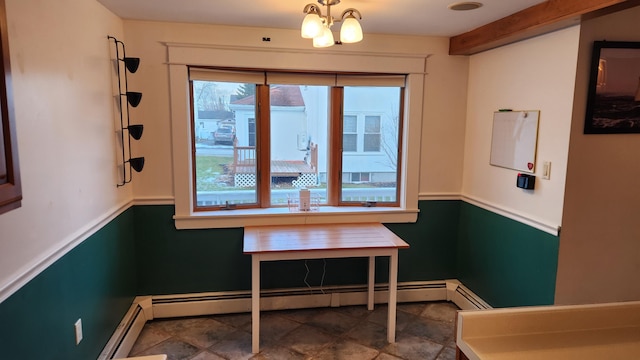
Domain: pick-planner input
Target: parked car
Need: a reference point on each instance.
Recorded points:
(224, 134)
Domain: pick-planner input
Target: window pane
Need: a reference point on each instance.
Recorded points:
(371, 142)
(376, 163)
(372, 124)
(350, 142)
(225, 168)
(350, 124)
(372, 133)
(251, 125)
(350, 133)
(299, 123)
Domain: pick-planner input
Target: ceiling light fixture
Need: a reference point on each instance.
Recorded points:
(464, 6)
(318, 27)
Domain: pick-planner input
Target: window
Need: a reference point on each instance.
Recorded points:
(372, 133)
(294, 131)
(389, 64)
(378, 127)
(350, 133)
(360, 177)
(251, 131)
(224, 168)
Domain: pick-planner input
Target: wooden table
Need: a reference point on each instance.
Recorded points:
(292, 242)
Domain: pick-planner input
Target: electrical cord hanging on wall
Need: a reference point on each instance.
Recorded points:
(306, 275)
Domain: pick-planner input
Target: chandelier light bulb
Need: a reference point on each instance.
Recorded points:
(324, 40)
(311, 26)
(350, 31)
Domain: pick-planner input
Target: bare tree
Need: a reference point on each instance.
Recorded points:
(389, 141)
(246, 90)
(208, 96)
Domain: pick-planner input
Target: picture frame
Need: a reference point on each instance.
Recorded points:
(10, 185)
(613, 102)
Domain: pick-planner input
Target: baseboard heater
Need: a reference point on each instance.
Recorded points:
(147, 308)
(125, 334)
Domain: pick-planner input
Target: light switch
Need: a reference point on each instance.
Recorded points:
(546, 170)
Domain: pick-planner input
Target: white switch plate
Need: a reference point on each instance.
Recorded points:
(78, 327)
(546, 170)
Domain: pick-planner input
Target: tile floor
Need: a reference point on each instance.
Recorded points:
(425, 331)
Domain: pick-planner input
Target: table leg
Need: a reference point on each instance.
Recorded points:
(372, 282)
(255, 304)
(393, 296)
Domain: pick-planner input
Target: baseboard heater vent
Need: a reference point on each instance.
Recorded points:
(265, 294)
(198, 304)
(125, 334)
(467, 300)
(166, 306)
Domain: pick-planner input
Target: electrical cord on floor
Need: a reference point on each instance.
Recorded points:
(306, 275)
(324, 272)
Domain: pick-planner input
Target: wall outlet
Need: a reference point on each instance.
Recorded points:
(78, 328)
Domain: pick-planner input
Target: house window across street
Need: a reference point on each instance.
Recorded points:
(259, 137)
(372, 133)
(350, 133)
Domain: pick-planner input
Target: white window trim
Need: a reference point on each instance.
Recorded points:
(182, 55)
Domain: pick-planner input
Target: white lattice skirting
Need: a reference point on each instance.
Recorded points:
(305, 180)
(249, 180)
(244, 180)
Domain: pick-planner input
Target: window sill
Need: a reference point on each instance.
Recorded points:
(282, 216)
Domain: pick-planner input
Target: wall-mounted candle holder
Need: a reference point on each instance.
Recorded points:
(127, 99)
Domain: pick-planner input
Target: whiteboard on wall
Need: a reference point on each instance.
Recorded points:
(514, 138)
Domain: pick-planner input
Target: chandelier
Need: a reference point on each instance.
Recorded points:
(318, 27)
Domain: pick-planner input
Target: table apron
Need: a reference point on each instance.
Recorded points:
(321, 254)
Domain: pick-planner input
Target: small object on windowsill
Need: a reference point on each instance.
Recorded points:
(369, 204)
(294, 204)
(228, 206)
(305, 200)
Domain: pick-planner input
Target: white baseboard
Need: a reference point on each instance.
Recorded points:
(168, 306)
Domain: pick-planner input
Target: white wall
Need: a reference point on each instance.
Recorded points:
(443, 127)
(536, 74)
(286, 124)
(64, 107)
(599, 257)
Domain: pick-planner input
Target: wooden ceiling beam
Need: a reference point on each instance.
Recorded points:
(545, 17)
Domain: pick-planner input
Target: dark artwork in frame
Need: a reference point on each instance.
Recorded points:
(613, 103)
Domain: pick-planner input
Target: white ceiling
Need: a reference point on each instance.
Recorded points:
(403, 17)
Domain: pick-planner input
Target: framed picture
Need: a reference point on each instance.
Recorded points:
(613, 103)
(10, 188)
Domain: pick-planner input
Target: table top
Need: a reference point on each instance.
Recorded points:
(309, 237)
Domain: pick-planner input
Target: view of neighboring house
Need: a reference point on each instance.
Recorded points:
(299, 119)
(207, 122)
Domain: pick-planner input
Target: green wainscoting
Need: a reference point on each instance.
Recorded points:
(505, 262)
(432, 255)
(191, 261)
(140, 252)
(95, 281)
